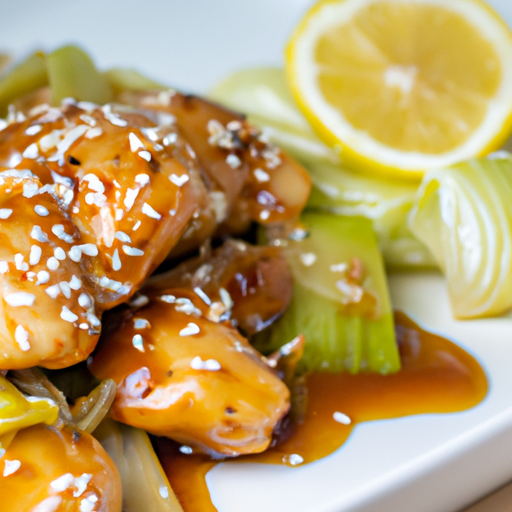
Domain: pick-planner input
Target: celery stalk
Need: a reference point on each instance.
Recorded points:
(341, 301)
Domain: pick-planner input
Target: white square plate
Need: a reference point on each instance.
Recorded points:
(427, 463)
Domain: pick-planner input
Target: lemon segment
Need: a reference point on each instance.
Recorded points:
(404, 86)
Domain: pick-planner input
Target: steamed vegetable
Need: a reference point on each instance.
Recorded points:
(464, 215)
(145, 486)
(264, 96)
(340, 302)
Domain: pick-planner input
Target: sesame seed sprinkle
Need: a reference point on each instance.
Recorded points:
(261, 176)
(4, 267)
(65, 289)
(142, 179)
(11, 466)
(132, 251)
(42, 277)
(33, 130)
(138, 342)
(20, 263)
(53, 291)
(75, 283)
(63, 482)
(123, 237)
(135, 142)
(20, 299)
(67, 315)
(129, 198)
(150, 211)
(38, 234)
(84, 301)
(146, 155)
(179, 181)
(210, 365)
(116, 261)
(52, 263)
(187, 450)
(41, 210)
(31, 152)
(141, 323)
(190, 330)
(59, 253)
(341, 418)
(35, 255)
(5, 213)
(21, 337)
(233, 161)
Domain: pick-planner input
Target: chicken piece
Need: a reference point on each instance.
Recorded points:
(250, 178)
(251, 285)
(64, 470)
(91, 202)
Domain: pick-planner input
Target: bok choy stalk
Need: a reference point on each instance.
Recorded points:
(464, 215)
(145, 486)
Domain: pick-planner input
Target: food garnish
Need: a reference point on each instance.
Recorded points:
(402, 87)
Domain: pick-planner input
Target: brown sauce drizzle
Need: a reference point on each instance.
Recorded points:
(437, 376)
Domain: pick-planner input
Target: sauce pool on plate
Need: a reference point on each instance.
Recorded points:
(437, 376)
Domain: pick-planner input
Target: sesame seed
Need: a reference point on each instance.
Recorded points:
(67, 315)
(187, 450)
(190, 330)
(142, 179)
(139, 300)
(65, 289)
(5, 213)
(19, 263)
(169, 139)
(63, 482)
(129, 198)
(21, 337)
(164, 491)
(150, 211)
(146, 155)
(202, 295)
(226, 299)
(116, 261)
(83, 326)
(41, 210)
(53, 291)
(135, 142)
(50, 140)
(141, 323)
(4, 267)
(37, 234)
(52, 263)
(70, 137)
(116, 120)
(210, 365)
(88, 249)
(94, 183)
(42, 277)
(20, 299)
(59, 253)
(93, 320)
(35, 255)
(92, 133)
(132, 251)
(308, 258)
(179, 181)
(11, 466)
(75, 283)
(264, 214)
(75, 254)
(138, 343)
(341, 418)
(137, 225)
(31, 152)
(294, 459)
(233, 161)
(30, 189)
(170, 299)
(261, 176)
(123, 237)
(81, 483)
(84, 301)
(33, 130)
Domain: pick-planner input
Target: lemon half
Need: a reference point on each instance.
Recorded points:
(404, 86)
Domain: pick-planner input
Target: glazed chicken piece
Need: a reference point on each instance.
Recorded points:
(183, 371)
(249, 178)
(91, 203)
(46, 469)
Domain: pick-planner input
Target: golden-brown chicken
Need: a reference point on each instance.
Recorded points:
(46, 469)
(183, 371)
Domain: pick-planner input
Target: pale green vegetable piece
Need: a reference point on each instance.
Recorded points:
(25, 77)
(341, 301)
(125, 79)
(464, 215)
(263, 95)
(145, 485)
(72, 74)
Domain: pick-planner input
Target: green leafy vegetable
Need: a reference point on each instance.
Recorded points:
(340, 301)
